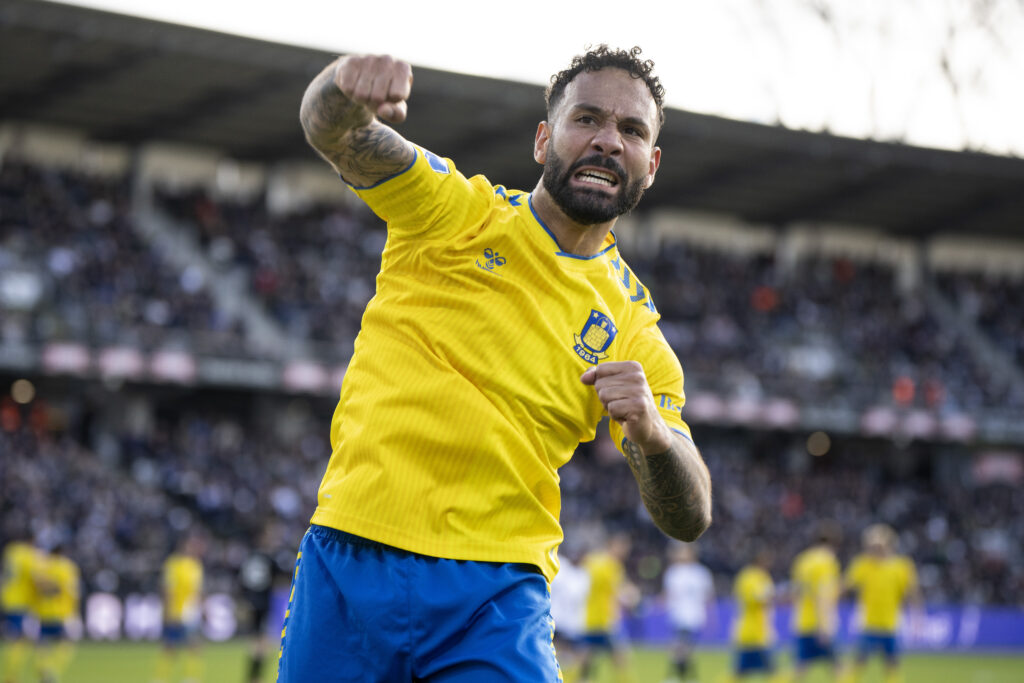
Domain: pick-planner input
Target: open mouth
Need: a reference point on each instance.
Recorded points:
(597, 177)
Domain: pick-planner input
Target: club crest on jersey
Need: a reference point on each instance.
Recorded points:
(596, 336)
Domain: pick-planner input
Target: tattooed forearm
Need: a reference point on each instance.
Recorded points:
(675, 487)
(327, 114)
(348, 135)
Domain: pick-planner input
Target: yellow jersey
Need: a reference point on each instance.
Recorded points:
(881, 584)
(58, 589)
(17, 590)
(601, 611)
(183, 586)
(816, 577)
(754, 592)
(463, 395)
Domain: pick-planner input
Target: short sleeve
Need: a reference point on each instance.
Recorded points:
(430, 198)
(664, 376)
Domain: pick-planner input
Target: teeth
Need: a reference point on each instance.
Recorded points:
(597, 178)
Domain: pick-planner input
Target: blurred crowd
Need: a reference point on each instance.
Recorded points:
(312, 270)
(76, 269)
(963, 534)
(825, 331)
(828, 331)
(994, 303)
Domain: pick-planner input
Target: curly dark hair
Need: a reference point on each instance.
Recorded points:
(602, 57)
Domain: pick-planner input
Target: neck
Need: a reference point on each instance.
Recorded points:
(573, 238)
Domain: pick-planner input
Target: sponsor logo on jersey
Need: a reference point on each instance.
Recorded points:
(665, 401)
(492, 260)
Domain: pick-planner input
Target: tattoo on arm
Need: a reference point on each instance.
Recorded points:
(675, 488)
(349, 136)
(374, 152)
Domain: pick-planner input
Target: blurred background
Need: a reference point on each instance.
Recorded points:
(181, 281)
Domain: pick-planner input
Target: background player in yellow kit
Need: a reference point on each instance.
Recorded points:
(816, 585)
(609, 588)
(753, 634)
(17, 594)
(505, 325)
(883, 582)
(57, 601)
(183, 590)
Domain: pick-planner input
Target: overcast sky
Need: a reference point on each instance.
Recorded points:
(936, 73)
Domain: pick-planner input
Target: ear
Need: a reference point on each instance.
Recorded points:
(540, 142)
(653, 168)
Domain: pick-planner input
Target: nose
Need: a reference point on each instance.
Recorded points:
(607, 140)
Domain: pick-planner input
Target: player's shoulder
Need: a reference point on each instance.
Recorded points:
(746, 574)
(641, 301)
(802, 557)
(904, 562)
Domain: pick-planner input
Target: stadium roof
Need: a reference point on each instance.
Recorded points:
(133, 80)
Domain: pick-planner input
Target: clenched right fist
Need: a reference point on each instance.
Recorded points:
(381, 83)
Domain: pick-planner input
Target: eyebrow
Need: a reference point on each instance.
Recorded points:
(631, 120)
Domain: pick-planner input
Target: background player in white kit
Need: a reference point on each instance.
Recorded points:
(569, 590)
(689, 598)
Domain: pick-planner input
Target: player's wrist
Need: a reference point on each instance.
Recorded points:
(658, 442)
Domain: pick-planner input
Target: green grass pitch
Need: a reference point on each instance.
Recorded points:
(225, 663)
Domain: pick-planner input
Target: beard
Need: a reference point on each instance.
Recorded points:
(584, 205)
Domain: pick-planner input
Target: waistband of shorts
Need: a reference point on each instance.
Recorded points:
(331, 534)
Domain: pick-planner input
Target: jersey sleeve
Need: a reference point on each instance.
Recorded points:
(664, 376)
(430, 199)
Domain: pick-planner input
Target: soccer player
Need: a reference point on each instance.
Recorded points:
(17, 595)
(753, 631)
(504, 327)
(689, 592)
(259, 576)
(57, 600)
(183, 590)
(569, 590)
(883, 582)
(609, 587)
(815, 590)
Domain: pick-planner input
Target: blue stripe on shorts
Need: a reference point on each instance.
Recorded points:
(363, 611)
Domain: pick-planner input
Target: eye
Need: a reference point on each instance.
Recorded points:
(633, 131)
(585, 118)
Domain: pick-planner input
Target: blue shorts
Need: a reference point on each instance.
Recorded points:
(177, 634)
(50, 630)
(809, 648)
(364, 611)
(13, 625)
(598, 640)
(885, 643)
(753, 661)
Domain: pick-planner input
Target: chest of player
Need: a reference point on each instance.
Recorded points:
(516, 317)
